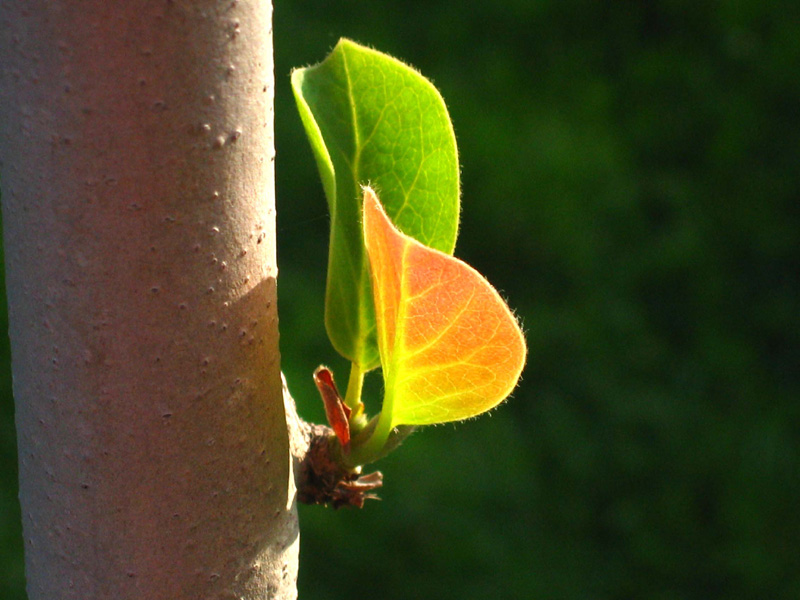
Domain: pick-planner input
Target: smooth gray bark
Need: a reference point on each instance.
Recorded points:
(136, 157)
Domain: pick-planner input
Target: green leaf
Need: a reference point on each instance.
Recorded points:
(373, 120)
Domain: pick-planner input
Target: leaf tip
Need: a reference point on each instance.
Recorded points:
(372, 208)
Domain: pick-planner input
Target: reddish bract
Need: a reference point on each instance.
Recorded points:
(337, 412)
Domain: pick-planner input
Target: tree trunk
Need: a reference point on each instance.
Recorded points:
(137, 155)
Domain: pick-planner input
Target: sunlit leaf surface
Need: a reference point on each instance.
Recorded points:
(373, 120)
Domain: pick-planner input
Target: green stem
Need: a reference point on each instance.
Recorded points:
(353, 396)
(373, 447)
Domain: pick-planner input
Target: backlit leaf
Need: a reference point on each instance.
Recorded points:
(450, 347)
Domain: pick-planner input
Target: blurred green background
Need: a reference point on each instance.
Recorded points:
(631, 183)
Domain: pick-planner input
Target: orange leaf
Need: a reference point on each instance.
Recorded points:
(450, 348)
